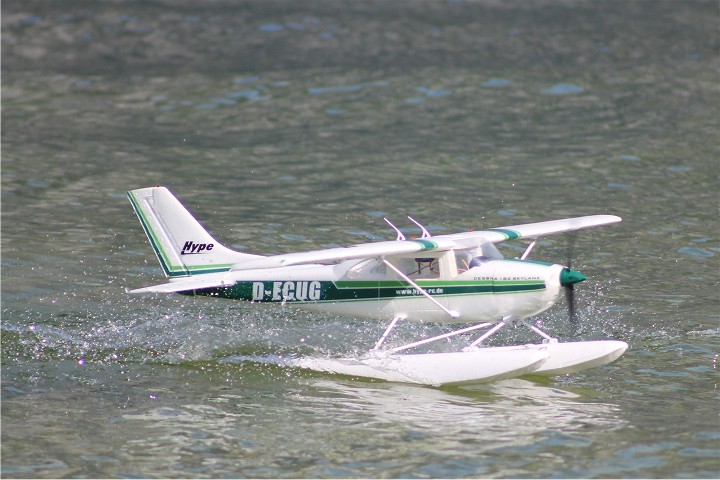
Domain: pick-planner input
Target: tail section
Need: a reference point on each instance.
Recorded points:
(181, 244)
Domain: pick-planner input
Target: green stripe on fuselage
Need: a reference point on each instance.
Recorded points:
(305, 291)
(373, 284)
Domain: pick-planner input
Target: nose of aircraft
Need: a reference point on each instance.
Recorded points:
(570, 277)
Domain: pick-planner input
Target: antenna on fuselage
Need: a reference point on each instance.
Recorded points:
(425, 233)
(400, 235)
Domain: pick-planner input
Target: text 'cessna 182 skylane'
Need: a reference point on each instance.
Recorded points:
(451, 279)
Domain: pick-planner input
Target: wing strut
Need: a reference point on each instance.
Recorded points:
(528, 250)
(452, 313)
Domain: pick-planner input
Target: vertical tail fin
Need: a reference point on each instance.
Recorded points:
(181, 244)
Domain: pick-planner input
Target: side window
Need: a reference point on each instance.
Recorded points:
(463, 260)
(378, 269)
(421, 267)
(369, 269)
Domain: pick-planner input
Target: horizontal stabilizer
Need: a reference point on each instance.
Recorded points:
(189, 284)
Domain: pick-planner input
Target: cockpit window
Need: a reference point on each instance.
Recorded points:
(490, 251)
(369, 269)
(462, 259)
(477, 261)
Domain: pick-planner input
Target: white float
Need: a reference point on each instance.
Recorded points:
(454, 368)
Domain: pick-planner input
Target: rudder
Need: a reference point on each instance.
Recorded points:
(181, 244)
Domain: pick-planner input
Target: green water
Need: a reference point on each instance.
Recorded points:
(292, 126)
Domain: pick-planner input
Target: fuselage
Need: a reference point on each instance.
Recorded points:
(486, 292)
(452, 278)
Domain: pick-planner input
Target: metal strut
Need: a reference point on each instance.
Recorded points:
(528, 250)
(539, 332)
(440, 337)
(505, 321)
(484, 336)
(388, 330)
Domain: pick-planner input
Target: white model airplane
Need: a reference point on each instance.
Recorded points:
(451, 279)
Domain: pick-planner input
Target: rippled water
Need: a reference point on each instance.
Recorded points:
(288, 127)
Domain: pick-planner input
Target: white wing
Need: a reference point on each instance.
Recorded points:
(439, 243)
(364, 250)
(535, 230)
(388, 248)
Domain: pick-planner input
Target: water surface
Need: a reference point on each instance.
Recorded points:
(285, 128)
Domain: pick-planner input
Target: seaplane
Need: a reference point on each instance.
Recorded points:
(460, 280)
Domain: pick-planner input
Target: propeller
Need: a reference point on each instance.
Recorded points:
(570, 300)
(570, 289)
